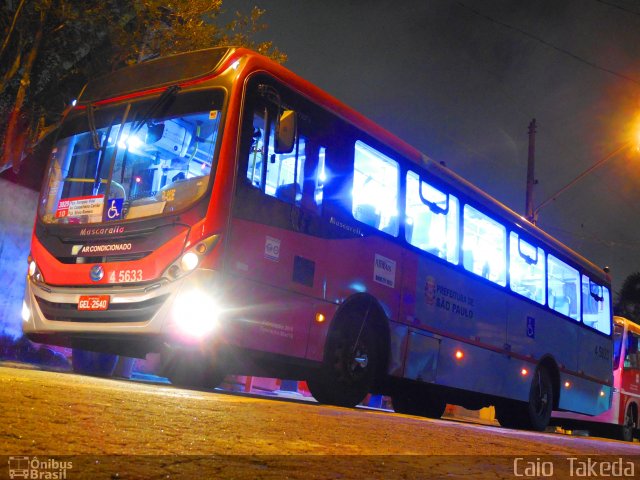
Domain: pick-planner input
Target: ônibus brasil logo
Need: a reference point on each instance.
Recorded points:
(35, 468)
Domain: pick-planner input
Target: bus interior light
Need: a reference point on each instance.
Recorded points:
(459, 354)
(320, 318)
(567, 384)
(524, 372)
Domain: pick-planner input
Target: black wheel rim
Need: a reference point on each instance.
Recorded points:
(541, 396)
(352, 362)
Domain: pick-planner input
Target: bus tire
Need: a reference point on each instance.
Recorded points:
(348, 371)
(534, 414)
(418, 401)
(193, 371)
(540, 403)
(625, 431)
(93, 363)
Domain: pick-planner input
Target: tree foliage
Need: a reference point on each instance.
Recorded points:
(50, 48)
(628, 298)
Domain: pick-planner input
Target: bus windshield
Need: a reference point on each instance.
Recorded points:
(126, 162)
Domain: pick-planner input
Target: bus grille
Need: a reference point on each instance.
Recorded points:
(117, 312)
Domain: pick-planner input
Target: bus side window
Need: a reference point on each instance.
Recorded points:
(484, 247)
(285, 172)
(618, 332)
(632, 356)
(527, 269)
(314, 175)
(431, 226)
(297, 177)
(375, 189)
(257, 149)
(562, 285)
(595, 305)
(321, 177)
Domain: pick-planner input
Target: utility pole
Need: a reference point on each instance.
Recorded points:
(531, 181)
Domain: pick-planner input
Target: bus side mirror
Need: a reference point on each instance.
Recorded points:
(286, 132)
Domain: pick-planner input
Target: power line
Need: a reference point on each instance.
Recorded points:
(548, 44)
(619, 7)
(592, 238)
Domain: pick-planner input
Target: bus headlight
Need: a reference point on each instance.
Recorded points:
(189, 261)
(191, 258)
(34, 271)
(195, 313)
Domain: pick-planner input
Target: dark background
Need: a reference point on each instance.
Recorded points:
(461, 80)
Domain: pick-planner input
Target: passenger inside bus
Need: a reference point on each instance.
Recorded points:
(375, 189)
(296, 177)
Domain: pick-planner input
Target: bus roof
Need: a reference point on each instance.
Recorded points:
(630, 324)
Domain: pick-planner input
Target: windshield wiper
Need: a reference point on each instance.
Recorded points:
(169, 94)
(91, 120)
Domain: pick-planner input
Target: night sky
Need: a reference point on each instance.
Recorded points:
(461, 80)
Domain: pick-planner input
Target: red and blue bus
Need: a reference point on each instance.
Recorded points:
(621, 420)
(219, 209)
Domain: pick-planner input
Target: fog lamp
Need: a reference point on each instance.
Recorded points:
(26, 312)
(195, 313)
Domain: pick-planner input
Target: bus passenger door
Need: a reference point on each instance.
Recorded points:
(274, 251)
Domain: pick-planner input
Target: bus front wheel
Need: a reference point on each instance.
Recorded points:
(418, 401)
(348, 371)
(93, 363)
(193, 371)
(626, 430)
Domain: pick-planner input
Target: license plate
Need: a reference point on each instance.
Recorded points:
(93, 302)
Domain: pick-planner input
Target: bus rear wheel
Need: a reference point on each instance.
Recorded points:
(193, 371)
(418, 401)
(534, 414)
(625, 431)
(348, 371)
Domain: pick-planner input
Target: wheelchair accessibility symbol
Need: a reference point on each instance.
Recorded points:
(114, 212)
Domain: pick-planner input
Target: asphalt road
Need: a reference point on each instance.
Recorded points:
(123, 429)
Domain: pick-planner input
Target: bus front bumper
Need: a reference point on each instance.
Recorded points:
(183, 311)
